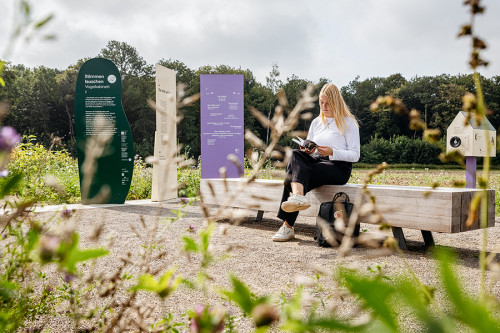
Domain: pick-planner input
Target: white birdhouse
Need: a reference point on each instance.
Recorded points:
(470, 139)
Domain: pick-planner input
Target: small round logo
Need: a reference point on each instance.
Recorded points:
(111, 78)
(455, 142)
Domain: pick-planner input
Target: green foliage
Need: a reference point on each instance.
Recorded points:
(473, 312)
(41, 166)
(42, 100)
(25, 291)
(2, 68)
(242, 296)
(206, 319)
(297, 319)
(141, 181)
(163, 287)
(68, 255)
(201, 246)
(189, 182)
(8, 185)
(399, 150)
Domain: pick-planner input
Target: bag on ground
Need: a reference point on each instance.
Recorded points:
(326, 231)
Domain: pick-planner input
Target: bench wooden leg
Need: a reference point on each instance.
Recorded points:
(400, 236)
(428, 239)
(260, 213)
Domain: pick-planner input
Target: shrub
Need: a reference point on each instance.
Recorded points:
(141, 180)
(40, 167)
(399, 150)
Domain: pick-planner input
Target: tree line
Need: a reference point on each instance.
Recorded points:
(41, 100)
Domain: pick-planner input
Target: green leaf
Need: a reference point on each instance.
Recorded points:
(163, 287)
(375, 295)
(472, 312)
(2, 82)
(25, 8)
(7, 291)
(7, 185)
(33, 235)
(43, 22)
(241, 295)
(71, 255)
(189, 244)
(419, 303)
(146, 282)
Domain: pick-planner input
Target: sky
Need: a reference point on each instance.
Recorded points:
(333, 39)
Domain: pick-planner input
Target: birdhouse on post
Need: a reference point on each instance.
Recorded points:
(472, 140)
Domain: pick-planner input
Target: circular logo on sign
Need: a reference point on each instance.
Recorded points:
(455, 142)
(111, 78)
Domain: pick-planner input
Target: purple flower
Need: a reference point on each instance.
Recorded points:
(48, 289)
(68, 277)
(4, 236)
(199, 309)
(207, 319)
(4, 173)
(191, 228)
(9, 138)
(67, 213)
(184, 200)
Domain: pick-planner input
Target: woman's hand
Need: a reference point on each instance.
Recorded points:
(308, 151)
(324, 150)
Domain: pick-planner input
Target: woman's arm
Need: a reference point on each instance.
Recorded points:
(352, 151)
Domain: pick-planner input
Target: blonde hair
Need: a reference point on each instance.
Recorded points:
(338, 105)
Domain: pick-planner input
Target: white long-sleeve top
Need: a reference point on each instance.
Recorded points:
(345, 147)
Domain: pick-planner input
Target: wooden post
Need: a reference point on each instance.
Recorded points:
(470, 168)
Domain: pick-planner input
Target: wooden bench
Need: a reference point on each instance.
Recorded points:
(422, 208)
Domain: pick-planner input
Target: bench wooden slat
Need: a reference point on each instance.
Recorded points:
(442, 210)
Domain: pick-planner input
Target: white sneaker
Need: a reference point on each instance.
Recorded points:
(295, 203)
(284, 234)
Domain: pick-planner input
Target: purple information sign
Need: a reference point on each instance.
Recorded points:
(222, 129)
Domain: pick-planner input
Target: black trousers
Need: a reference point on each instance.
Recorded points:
(311, 172)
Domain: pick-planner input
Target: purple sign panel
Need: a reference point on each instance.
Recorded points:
(222, 129)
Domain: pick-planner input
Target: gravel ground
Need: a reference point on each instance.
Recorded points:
(266, 267)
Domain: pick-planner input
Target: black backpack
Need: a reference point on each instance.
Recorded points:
(327, 213)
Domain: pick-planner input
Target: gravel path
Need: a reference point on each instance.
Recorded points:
(266, 267)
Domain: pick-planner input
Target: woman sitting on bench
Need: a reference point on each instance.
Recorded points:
(326, 161)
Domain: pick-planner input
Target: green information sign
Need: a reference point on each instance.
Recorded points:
(103, 136)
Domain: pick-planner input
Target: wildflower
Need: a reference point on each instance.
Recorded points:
(191, 229)
(207, 319)
(4, 173)
(68, 277)
(184, 200)
(48, 289)
(9, 138)
(67, 213)
(4, 236)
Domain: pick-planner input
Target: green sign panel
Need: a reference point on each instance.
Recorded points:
(103, 136)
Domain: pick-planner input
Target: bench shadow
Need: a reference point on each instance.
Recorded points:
(465, 257)
(416, 247)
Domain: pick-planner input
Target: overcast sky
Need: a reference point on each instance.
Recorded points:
(335, 39)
